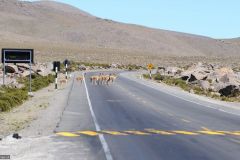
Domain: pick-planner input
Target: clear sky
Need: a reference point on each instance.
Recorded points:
(213, 18)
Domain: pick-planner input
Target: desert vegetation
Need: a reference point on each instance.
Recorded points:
(11, 97)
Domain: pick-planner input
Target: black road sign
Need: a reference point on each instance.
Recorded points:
(56, 64)
(17, 55)
(66, 62)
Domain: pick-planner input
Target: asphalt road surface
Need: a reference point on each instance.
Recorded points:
(127, 120)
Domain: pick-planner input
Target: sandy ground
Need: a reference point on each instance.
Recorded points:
(33, 116)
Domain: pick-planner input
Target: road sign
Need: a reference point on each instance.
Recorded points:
(56, 64)
(17, 55)
(66, 62)
(150, 66)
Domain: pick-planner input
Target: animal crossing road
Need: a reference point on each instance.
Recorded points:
(128, 120)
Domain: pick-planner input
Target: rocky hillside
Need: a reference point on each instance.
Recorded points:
(58, 30)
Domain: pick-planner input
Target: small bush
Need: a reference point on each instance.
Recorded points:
(158, 77)
(12, 97)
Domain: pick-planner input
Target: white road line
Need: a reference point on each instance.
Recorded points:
(221, 110)
(101, 137)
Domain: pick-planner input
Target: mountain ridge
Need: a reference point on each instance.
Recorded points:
(42, 24)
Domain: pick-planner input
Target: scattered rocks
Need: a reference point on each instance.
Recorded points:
(223, 81)
(22, 70)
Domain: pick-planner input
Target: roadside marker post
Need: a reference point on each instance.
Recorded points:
(66, 63)
(66, 74)
(56, 77)
(56, 68)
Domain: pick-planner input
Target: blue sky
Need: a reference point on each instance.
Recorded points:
(213, 18)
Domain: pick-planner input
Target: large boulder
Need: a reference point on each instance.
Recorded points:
(196, 72)
(205, 85)
(230, 91)
(11, 68)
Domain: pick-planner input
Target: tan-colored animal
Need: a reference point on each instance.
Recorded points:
(79, 79)
(111, 78)
(94, 79)
(62, 81)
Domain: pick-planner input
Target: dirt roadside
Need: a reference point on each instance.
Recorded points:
(37, 116)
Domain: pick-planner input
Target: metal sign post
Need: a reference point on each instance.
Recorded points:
(4, 71)
(150, 67)
(150, 73)
(30, 77)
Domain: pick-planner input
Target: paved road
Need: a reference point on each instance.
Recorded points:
(131, 121)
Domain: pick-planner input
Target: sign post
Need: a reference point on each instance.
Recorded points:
(150, 67)
(18, 56)
(66, 63)
(56, 68)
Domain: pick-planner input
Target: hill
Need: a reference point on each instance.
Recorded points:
(56, 30)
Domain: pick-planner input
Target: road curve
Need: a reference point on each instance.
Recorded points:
(139, 122)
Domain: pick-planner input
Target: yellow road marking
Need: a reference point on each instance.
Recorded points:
(185, 132)
(236, 133)
(137, 132)
(89, 133)
(187, 121)
(67, 134)
(115, 133)
(159, 132)
(211, 132)
(149, 132)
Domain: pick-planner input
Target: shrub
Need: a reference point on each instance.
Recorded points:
(12, 97)
(158, 77)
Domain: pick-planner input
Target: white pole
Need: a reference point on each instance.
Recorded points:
(66, 76)
(56, 77)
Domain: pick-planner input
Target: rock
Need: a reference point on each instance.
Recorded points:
(191, 91)
(24, 74)
(16, 135)
(205, 85)
(230, 90)
(173, 70)
(11, 68)
(215, 94)
(82, 67)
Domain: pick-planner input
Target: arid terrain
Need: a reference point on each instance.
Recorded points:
(57, 31)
